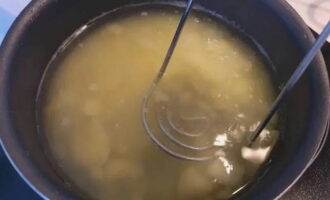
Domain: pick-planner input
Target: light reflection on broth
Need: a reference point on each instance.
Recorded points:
(92, 110)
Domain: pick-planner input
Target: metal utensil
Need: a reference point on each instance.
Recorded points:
(292, 81)
(165, 124)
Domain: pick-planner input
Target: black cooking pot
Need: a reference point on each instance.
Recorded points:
(45, 24)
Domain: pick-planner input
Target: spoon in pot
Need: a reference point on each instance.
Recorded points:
(151, 91)
(292, 81)
(168, 128)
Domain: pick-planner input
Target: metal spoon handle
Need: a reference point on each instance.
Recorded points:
(293, 80)
(174, 41)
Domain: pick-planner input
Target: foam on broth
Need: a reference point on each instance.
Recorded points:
(92, 108)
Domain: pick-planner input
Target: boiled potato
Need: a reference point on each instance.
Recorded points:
(226, 172)
(91, 147)
(125, 178)
(193, 184)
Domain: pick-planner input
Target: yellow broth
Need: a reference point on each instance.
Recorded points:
(92, 109)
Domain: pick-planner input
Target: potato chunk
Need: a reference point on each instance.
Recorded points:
(90, 148)
(193, 184)
(226, 172)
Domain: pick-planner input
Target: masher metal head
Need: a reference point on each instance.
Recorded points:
(156, 117)
(166, 126)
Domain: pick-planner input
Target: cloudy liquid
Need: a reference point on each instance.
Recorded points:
(92, 108)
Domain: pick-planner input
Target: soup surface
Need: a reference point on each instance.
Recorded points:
(216, 85)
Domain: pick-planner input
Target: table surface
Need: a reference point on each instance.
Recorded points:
(316, 13)
(315, 183)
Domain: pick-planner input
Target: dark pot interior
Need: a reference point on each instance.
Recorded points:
(44, 25)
